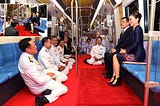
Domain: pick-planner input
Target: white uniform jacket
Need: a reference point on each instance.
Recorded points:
(98, 51)
(55, 56)
(36, 80)
(32, 73)
(45, 59)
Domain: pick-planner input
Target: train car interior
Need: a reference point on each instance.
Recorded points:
(82, 23)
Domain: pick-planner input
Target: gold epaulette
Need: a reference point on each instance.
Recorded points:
(30, 59)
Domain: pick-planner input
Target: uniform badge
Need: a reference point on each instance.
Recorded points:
(46, 50)
(30, 59)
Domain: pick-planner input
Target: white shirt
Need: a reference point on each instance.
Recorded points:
(98, 51)
(55, 55)
(60, 51)
(45, 59)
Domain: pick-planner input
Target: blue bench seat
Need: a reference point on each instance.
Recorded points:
(135, 75)
(139, 72)
(10, 79)
(42, 26)
(3, 77)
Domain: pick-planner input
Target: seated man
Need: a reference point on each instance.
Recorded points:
(64, 68)
(11, 30)
(46, 61)
(123, 42)
(64, 58)
(97, 53)
(67, 46)
(34, 77)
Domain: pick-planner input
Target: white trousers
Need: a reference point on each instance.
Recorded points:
(94, 62)
(58, 89)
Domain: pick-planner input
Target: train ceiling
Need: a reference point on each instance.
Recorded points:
(86, 10)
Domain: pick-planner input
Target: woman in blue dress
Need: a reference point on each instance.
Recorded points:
(134, 52)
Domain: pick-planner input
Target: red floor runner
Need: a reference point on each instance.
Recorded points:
(88, 89)
(23, 32)
(94, 91)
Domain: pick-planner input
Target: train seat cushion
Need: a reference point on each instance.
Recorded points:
(11, 70)
(139, 72)
(8, 53)
(17, 51)
(3, 77)
(155, 53)
(42, 27)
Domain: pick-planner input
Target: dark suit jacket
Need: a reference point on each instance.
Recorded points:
(124, 40)
(68, 49)
(11, 31)
(137, 47)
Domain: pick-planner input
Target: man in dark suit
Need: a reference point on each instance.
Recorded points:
(123, 42)
(67, 46)
(11, 30)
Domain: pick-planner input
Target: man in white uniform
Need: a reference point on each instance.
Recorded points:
(56, 57)
(64, 58)
(46, 61)
(97, 53)
(34, 77)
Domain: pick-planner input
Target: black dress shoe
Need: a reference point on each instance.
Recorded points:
(41, 100)
(46, 92)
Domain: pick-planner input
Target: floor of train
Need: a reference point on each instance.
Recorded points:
(86, 87)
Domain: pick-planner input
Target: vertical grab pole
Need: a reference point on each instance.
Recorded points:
(151, 27)
(76, 45)
(76, 38)
(72, 22)
(146, 91)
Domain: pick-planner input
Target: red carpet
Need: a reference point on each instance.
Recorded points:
(89, 89)
(94, 91)
(23, 32)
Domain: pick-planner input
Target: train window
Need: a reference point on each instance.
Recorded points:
(43, 11)
(131, 8)
(4, 1)
(134, 6)
(33, 9)
(157, 17)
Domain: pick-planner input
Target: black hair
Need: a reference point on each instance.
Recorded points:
(8, 18)
(99, 37)
(24, 43)
(52, 37)
(89, 39)
(137, 15)
(127, 19)
(44, 40)
(14, 23)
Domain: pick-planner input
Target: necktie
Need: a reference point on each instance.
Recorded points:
(122, 33)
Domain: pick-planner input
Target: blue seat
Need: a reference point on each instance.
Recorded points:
(42, 27)
(39, 46)
(8, 53)
(8, 61)
(139, 70)
(3, 77)
(1, 25)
